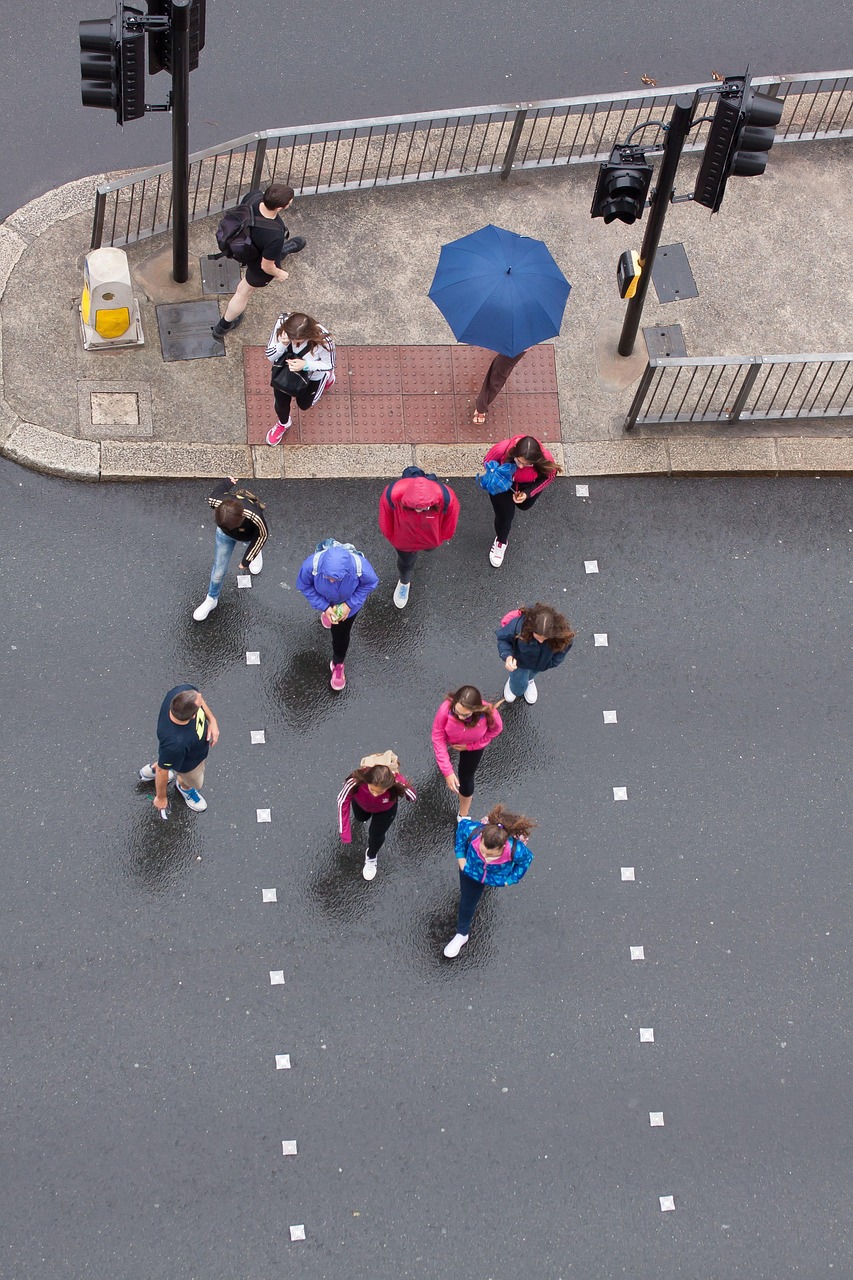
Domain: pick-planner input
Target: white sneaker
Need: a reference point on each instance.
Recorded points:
(455, 945)
(193, 798)
(369, 869)
(147, 773)
(508, 693)
(531, 693)
(401, 594)
(497, 553)
(257, 564)
(206, 607)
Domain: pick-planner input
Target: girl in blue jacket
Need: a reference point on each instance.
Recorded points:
(530, 641)
(491, 852)
(336, 580)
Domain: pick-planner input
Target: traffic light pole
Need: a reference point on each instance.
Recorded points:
(180, 38)
(679, 127)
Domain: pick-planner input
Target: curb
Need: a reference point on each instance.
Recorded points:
(54, 453)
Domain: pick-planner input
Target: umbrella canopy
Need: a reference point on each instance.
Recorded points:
(499, 290)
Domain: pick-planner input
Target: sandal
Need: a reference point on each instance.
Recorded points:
(478, 418)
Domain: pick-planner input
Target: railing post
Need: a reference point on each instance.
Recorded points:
(98, 220)
(640, 395)
(514, 139)
(745, 388)
(258, 166)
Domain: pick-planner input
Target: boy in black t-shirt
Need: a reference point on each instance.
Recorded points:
(186, 730)
(272, 242)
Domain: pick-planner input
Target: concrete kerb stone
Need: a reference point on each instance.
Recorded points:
(332, 461)
(814, 454)
(50, 451)
(617, 457)
(123, 460)
(743, 454)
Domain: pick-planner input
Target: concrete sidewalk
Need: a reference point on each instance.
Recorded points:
(772, 271)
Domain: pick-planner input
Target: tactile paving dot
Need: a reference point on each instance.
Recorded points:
(469, 368)
(329, 421)
(256, 372)
(429, 418)
(374, 370)
(536, 372)
(424, 370)
(377, 419)
(534, 414)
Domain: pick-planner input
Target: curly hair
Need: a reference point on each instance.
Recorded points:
(500, 824)
(543, 620)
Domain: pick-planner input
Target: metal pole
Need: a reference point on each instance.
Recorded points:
(512, 147)
(679, 125)
(180, 38)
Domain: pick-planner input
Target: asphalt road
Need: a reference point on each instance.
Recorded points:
(267, 66)
(483, 1118)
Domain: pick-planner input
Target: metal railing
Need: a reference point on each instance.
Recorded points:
(353, 155)
(743, 388)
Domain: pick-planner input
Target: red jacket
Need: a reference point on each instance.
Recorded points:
(502, 452)
(409, 529)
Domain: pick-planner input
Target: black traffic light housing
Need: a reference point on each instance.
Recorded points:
(742, 132)
(622, 185)
(112, 64)
(160, 42)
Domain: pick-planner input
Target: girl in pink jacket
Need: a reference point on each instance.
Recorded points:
(535, 470)
(467, 724)
(371, 794)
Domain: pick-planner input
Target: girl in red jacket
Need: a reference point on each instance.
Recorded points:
(370, 794)
(467, 724)
(535, 470)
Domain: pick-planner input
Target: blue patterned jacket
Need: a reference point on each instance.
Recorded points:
(493, 873)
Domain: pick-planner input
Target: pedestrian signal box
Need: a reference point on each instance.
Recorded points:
(628, 272)
(109, 313)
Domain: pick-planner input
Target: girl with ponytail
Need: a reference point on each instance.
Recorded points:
(492, 852)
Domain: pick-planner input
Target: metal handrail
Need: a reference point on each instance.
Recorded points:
(672, 389)
(347, 155)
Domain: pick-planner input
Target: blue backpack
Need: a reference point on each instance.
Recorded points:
(498, 477)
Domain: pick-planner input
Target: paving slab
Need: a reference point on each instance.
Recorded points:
(366, 273)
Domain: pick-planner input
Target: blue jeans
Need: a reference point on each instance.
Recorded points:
(519, 680)
(470, 893)
(221, 560)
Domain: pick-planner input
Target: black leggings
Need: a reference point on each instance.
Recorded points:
(465, 770)
(339, 632)
(379, 824)
(304, 400)
(505, 510)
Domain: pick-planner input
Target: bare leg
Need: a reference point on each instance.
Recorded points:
(239, 301)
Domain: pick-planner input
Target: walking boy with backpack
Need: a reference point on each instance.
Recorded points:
(254, 235)
(416, 513)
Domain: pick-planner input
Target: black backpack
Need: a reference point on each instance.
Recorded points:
(234, 235)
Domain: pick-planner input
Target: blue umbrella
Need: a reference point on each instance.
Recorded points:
(500, 290)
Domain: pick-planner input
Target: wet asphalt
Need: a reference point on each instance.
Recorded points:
(486, 1118)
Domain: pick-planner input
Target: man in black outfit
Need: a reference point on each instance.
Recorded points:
(271, 241)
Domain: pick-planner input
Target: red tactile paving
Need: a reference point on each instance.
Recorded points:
(430, 419)
(374, 370)
(534, 415)
(417, 395)
(424, 370)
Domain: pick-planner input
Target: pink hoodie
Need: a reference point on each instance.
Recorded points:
(447, 732)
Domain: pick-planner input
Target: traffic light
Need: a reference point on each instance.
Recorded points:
(160, 42)
(112, 64)
(742, 132)
(622, 186)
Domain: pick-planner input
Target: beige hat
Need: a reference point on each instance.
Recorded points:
(381, 757)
